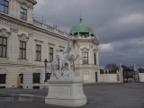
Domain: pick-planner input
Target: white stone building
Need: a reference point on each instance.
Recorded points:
(25, 43)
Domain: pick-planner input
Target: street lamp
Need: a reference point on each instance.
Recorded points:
(45, 62)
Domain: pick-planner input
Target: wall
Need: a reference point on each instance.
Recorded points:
(109, 78)
(141, 76)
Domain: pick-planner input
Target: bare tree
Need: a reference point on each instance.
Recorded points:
(111, 67)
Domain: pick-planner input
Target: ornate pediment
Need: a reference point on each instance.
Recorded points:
(23, 37)
(4, 32)
(38, 71)
(3, 70)
(95, 50)
(85, 49)
(25, 4)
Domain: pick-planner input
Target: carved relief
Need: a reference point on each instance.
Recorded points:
(23, 37)
(37, 41)
(3, 70)
(94, 50)
(12, 29)
(14, 25)
(38, 71)
(4, 32)
(21, 71)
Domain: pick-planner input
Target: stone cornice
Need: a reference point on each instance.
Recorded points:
(19, 24)
(20, 64)
(89, 40)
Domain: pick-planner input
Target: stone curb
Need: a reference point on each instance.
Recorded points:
(21, 98)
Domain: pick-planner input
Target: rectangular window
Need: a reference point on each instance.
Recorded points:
(36, 78)
(38, 52)
(85, 57)
(3, 47)
(95, 59)
(22, 50)
(4, 4)
(50, 54)
(23, 14)
(2, 78)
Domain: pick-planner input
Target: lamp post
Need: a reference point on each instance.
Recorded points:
(45, 62)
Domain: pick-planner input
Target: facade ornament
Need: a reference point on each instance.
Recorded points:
(43, 20)
(12, 29)
(25, 4)
(23, 37)
(4, 32)
(3, 70)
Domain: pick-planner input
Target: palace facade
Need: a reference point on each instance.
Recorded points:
(25, 43)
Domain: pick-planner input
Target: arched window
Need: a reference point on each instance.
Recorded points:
(21, 78)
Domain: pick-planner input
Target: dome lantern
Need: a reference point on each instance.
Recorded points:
(81, 29)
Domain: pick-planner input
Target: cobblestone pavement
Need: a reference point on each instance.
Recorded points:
(130, 95)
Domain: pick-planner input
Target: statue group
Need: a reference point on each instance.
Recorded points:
(64, 88)
(62, 65)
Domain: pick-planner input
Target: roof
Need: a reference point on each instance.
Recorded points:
(81, 28)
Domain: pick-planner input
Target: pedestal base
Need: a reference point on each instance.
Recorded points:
(66, 92)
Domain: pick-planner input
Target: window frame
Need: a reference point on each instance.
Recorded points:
(85, 58)
(51, 54)
(2, 46)
(38, 52)
(23, 13)
(4, 6)
(21, 78)
(3, 79)
(22, 50)
(95, 59)
(36, 78)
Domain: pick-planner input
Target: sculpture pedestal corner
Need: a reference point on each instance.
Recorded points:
(66, 92)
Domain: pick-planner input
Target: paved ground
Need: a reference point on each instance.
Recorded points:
(99, 96)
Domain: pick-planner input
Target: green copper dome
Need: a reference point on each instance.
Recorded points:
(81, 28)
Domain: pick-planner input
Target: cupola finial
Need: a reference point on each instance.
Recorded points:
(80, 20)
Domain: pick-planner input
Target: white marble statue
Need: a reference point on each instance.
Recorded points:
(72, 55)
(61, 67)
(64, 88)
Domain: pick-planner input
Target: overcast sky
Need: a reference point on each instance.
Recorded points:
(119, 25)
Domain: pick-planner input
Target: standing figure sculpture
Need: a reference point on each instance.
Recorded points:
(72, 55)
(61, 67)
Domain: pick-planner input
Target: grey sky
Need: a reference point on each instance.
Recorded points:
(119, 25)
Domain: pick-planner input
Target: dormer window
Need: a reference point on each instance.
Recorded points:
(4, 4)
(23, 14)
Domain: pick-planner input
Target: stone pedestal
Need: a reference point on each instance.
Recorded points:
(66, 92)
